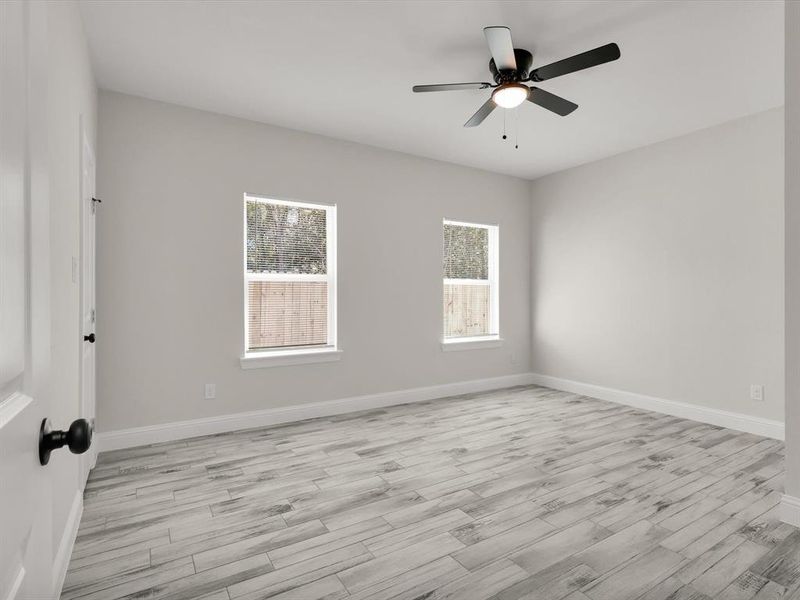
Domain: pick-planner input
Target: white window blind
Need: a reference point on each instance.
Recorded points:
(290, 278)
(470, 265)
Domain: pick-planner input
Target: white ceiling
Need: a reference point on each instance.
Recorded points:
(345, 69)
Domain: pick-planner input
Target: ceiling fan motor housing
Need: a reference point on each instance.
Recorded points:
(524, 62)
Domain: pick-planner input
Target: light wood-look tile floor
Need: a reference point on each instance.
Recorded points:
(518, 493)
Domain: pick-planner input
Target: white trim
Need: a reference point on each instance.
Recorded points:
(282, 358)
(494, 278)
(331, 242)
(286, 277)
(64, 552)
(329, 276)
(790, 510)
(493, 274)
(88, 206)
(722, 418)
(471, 343)
(245, 291)
(467, 282)
(468, 224)
(13, 405)
(166, 432)
(288, 202)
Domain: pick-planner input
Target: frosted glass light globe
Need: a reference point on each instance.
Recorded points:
(510, 95)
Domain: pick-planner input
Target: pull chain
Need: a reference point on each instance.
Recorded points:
(504, 124)
(516, 129)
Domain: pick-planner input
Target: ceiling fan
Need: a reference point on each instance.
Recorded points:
(511, 66)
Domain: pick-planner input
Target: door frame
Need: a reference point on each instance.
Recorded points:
(87, 405)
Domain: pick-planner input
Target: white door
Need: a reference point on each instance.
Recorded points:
(88, 315)
(26, 552)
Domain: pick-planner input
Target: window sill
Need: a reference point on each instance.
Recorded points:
(285, 358)
(472, 343)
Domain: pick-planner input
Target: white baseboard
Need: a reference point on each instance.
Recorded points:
(167, 432)
(790, 510)
(64, 552)
(713, 416)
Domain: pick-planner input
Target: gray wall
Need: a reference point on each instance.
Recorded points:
(660, 271)
(170, 263)
(792, 249)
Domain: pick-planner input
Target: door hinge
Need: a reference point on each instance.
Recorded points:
(92, 315)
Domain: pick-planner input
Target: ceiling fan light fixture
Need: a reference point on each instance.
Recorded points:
(510, 95)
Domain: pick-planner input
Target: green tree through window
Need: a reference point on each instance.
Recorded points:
(285, 239)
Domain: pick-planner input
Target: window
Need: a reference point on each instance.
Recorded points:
(290, 277)
(470, 283)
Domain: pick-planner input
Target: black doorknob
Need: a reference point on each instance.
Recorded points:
(89, 338)
(78, 438)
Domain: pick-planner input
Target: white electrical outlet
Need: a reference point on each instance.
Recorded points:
(211, 391)
(513, 358)
(757, 393)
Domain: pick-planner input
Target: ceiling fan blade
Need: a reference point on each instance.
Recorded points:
(445, 87)
(551, 102)
(584, 60)
(482, 113)
(501, 47)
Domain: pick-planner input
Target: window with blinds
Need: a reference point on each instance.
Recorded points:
(470, 266)
(290, 283)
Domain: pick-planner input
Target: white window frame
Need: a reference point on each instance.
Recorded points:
(284, 356)
(493, 339)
